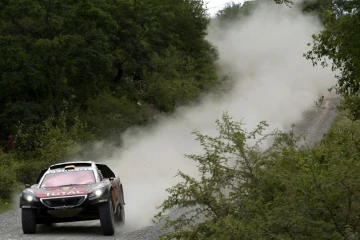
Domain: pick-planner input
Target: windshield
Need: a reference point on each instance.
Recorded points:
(68, 178)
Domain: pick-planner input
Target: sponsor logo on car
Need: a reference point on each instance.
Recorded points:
(69, 170)
(54, 194)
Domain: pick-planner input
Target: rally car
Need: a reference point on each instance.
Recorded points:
(73, 191)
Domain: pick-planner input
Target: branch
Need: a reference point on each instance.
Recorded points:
(19, 26)
(46, 6)
(47, 19)
(349, 202)
(326, 203)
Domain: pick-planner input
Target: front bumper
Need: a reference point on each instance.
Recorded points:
(65, 208)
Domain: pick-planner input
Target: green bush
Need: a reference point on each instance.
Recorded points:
(7, 176)
(27, 171)
(285, 191)
(39, 146)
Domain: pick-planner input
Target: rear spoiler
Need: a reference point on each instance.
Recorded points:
(105, 170)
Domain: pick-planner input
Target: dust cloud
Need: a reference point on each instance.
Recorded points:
(273, 82)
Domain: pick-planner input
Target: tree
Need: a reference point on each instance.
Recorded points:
(318, 7)
(338, 42)
(235, 11)
(58, 55)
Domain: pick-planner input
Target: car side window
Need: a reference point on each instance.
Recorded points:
(100, 175)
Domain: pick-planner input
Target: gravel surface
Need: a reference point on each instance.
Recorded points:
(10, 228)
(313, 126)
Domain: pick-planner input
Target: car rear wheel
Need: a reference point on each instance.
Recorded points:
(107, 218)
(28, 221)
(120, 214)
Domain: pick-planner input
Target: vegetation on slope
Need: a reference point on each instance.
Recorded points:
(283, 191)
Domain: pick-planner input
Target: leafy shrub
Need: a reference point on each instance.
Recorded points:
(7, 176)
(285, 191)
(38, 146)
(351, 104)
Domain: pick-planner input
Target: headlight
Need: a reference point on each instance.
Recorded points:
(29, 198)
(97, 193)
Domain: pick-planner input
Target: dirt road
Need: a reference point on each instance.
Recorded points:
(10, 229)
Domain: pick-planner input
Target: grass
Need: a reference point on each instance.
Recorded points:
(5, 205)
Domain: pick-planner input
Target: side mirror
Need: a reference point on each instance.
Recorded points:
(27, 185)
(111, 178)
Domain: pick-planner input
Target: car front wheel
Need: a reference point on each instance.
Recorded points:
(28, 220)
(107, 218)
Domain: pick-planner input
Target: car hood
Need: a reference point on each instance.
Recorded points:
(65, 190)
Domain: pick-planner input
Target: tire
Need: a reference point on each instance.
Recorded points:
(120, 215)
(28, 220)
(107, 221)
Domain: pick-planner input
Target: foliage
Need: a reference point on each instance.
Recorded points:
(7, 176)
(174, 79)
(282, 191)
(350, 105)
(72, 51)
(107, 115)
(235, 11)
(338, 42)
(38, 146)
(5, 205)
(318, 7)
